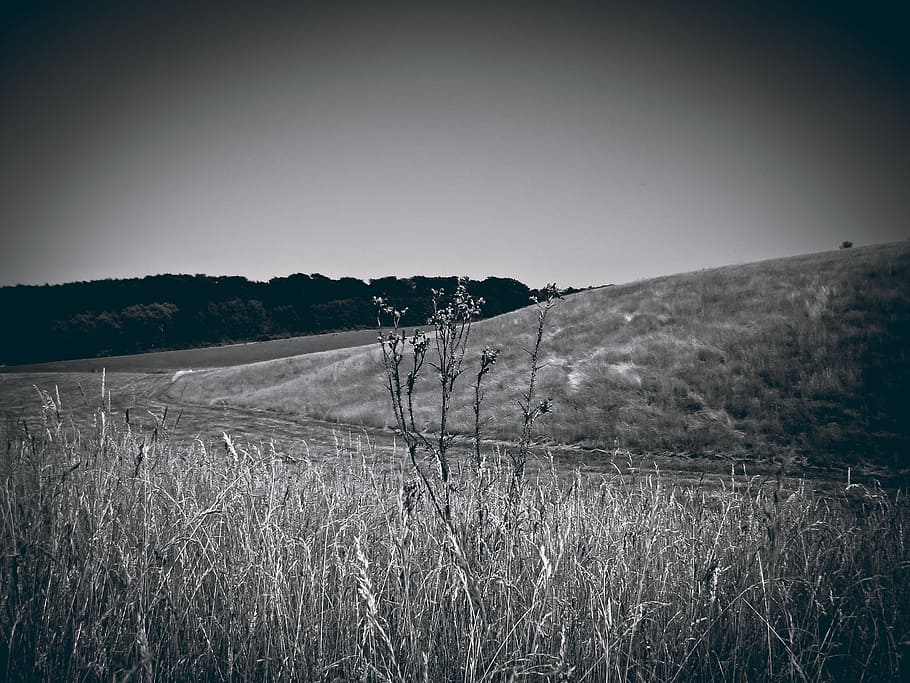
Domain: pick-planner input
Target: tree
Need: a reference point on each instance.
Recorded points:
(145, 326)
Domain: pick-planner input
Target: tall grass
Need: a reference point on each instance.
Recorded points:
(126, 557)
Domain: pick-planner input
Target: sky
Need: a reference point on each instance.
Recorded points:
(581, 143)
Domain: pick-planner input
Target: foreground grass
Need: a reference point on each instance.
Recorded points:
(126, 557)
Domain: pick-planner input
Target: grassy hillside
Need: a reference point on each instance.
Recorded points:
(805, 355)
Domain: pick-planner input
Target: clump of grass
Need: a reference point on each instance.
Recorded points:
(126, 557)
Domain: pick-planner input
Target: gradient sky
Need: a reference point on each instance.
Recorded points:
(581, 143)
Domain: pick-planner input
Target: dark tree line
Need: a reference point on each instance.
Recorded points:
(113, 317)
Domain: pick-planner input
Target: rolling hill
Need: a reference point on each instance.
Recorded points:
(802, 356)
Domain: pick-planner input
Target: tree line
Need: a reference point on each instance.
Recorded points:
(161, 312)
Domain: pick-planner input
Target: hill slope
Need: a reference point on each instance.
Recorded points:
(806, 354)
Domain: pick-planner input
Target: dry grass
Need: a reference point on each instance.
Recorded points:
(805, 356)
(127, 558)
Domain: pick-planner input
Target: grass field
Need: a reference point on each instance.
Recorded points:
(134, 397)
(127, 556)
(803, 358)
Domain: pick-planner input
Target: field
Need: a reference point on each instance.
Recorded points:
(210, 357)
(129, 557)
(690, 512)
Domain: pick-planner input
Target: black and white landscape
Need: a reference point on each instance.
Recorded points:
(287, 392)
